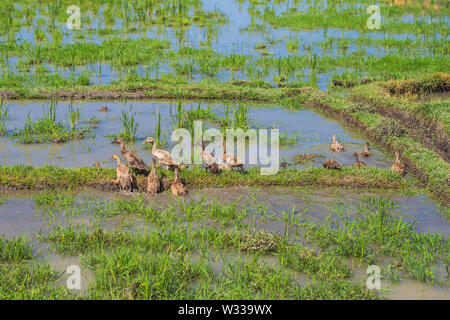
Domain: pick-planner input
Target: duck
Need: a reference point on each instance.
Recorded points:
(213, 168)
(134, 160)
(177, 187)
(358, 164)
(208, 158)
(231, 160)
(398, 166)
(224, 167)
(153, 181)
(336, 146)
(96, 164)
(104, 109)
(331, 164)
(164, 157)
(366, 151)
(124, 178)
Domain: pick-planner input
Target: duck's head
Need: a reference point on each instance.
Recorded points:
(115, 156)
(334, 137)
(367, 144)
(355, 155)
(149, 140)
(118, 140)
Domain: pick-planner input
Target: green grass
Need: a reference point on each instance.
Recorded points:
(33, 281)
(3, 116)
(376, 231)
(16, 249)
(175, 258)
(28, 177)
(129, 124)
(405, 96)
(48, 129)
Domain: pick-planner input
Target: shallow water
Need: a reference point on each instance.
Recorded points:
(18, 213)
(245, 29)
(313, 132)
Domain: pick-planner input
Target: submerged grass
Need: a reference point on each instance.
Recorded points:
(48, 129)
(16, 249)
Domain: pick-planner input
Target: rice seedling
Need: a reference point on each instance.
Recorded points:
(3, 116)
(48, 129)
(286, 141)
(129, 124)
(74, 116)
(15, 250)
(34, 281)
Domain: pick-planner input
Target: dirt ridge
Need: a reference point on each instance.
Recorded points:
(429, 132)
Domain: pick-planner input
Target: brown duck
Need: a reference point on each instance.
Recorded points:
(153, 181)
(124, 178)
(213, 168)
(398, 166)
(164, 157)
(177, 187)
(358, 164)
(331, 164)
(336, 146)
(231, 160)
(366, 151)
(134, 160)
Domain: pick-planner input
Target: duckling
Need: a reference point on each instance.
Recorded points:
(177, 187)
(358, 164)
(164, 157)
(231, 160)
(398, 166)
(124, 178)
(134, 160)
(366, 151)
(331, 164)
(153, 181)
(104, 109)
(96, 164)
(336, 146)
(283, 164)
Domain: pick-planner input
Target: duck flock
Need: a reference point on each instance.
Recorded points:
(137, 165)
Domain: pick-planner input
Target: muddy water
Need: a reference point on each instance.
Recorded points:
(18, 214)
(406, 289)
(312, 129)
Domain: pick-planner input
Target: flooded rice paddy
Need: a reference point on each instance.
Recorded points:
(216, 243)
(301, 41)
(309, 131)
(22, 214)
